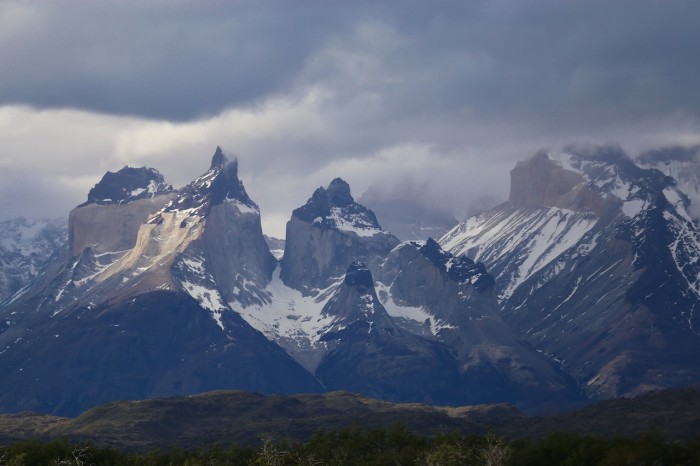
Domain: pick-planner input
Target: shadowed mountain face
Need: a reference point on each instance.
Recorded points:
(370, 354)
(157, 344)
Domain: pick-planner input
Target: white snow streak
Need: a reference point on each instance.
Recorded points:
(209, 299)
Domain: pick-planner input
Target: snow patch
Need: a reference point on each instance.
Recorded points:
(568, 162)
(674, 198)
(208, 298)
(634, 207)
(242, 208)
(539, 235)
(353, 223)
(136, 192)
(290, 315)
(415, 313)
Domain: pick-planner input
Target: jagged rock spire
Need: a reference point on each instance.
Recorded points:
(359, 276)
(218, 160)
(334, 207)
(338, 193)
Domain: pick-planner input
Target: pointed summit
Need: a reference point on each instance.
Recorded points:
(370, 354)
(338, 193)
(334, 208)
(219, 160)
(326, 234)
(357, 300)
(218, 184)
(359, 277)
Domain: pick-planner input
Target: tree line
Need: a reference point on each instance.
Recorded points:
(367, 447)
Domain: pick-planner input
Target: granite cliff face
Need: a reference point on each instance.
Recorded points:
(327, 234)
(605, 286)
(540, 182)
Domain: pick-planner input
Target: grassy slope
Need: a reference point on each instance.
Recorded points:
(226, 416)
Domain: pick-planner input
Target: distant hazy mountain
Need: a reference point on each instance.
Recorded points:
(408, 219)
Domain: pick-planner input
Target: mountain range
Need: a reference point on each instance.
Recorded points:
(582, 286)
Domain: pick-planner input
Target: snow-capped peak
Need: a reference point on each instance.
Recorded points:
(128, 184)
(217, 185)
(334, 208)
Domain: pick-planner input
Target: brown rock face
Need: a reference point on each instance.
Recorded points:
(540, 182)
(110, 228)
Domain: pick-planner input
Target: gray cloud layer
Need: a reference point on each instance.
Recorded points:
(443, 94)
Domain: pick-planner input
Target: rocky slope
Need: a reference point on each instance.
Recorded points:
(368, 353)
(594, 259)
(456, 301)
(426, 330)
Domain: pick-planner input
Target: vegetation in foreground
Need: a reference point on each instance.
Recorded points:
(396, 446)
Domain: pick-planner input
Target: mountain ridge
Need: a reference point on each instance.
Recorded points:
(225, 416)
(582, 286)
(599, 275)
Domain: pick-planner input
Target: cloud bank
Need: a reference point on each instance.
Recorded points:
(429, 100)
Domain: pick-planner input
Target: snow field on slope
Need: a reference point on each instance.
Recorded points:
(674, 198)
(558, 231)
(415, 313)
(290, 315)
(353, 223)
(242, 208)
(542, 234)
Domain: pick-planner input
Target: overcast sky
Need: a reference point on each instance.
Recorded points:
(433, 100)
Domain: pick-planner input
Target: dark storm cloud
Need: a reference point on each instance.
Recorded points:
(444, 94)
(169, 60)
(563, 63)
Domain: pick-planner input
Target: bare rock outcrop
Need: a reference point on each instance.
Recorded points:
(540, 182)
(327, 234)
